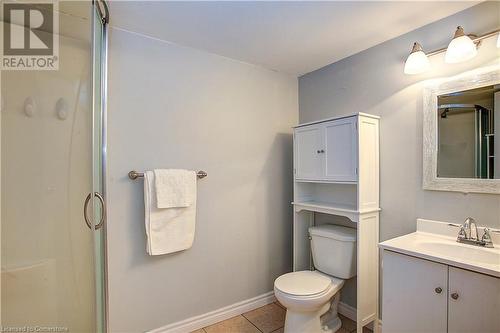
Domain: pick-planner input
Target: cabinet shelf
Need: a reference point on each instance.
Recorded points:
(325, 181)
(347, 210)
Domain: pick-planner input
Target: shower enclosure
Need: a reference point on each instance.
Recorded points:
(53, 213)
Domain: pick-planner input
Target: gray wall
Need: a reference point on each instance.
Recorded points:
(171, 106)
(373, 82)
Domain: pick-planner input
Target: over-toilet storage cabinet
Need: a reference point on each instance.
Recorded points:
(327, 151)
(425, 296)
(336, 171)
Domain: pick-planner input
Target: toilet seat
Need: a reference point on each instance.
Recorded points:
(307, 284)
(303, 283)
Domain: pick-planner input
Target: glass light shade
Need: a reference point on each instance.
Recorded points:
(461, 48)
(417, 62)
(498, 41)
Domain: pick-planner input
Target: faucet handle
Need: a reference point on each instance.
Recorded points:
(461, 233)
(487, 238)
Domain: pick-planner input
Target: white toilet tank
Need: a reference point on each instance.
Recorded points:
(334, 250)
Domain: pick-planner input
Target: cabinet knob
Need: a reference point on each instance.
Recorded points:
(318, 151)
(454, 295)
(438, 290)
(322, 151)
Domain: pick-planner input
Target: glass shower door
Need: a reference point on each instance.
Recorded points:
(52, 261)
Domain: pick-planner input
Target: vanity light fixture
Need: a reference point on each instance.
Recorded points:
(461, 48)
(417, 62)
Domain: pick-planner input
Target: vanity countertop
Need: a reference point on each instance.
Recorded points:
(434, 241)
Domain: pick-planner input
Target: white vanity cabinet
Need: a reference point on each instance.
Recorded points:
(414, 294)
(336, 172)
(327, 150)
(421, 296)
(474, 302)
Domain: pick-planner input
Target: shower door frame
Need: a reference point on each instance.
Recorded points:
(101, 8)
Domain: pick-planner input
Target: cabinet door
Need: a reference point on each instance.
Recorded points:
(308, 156)
(414, 295)
(341, 149)
(473, 303)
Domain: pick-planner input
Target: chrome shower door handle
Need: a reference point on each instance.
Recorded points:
(103, 213)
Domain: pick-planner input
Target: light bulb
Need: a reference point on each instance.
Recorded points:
(417, 62)
(461, 48)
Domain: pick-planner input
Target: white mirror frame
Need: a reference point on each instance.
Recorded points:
(476, 79)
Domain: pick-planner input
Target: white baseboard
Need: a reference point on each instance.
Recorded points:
(347, 311)
(194, 323)
(350, 312)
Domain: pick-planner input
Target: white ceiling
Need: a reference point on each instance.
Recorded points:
(291, 37)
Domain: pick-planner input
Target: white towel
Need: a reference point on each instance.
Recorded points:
(174, 187)
(168, 229)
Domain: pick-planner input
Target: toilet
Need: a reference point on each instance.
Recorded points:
(311, 298)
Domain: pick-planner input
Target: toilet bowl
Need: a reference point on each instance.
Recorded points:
(307, 295)
(311, 297)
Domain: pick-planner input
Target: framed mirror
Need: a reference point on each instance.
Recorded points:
(461, 143)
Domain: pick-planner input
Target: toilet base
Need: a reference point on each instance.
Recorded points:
(330, 320)
(324, 320)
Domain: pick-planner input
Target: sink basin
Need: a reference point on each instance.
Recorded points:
(462, 251)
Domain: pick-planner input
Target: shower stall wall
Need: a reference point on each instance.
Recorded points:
(52, 165)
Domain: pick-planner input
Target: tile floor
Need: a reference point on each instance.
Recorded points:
(267, 319)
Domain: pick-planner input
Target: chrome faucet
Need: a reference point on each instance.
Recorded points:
(468, 234)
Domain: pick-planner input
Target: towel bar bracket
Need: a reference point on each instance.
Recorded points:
(135, 174)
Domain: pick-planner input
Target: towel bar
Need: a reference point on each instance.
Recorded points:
(135, 174)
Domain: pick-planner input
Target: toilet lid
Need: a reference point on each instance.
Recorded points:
(302, 283)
